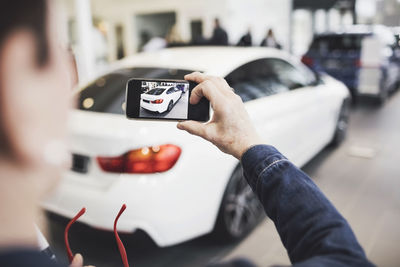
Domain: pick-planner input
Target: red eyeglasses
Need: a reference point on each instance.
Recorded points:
(121, 247)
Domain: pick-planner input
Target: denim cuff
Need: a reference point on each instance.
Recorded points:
(256, 159)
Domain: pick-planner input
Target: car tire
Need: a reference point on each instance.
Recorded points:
(170, 105)
(342, 123)
(382, 97)
(240, 210)
(383, 93)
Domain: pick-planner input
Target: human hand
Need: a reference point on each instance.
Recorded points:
(78, 261)
(230, 128)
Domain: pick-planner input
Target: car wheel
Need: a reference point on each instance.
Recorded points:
(384, 92)
(170, 105)
(342, 124)
(240, 210)
(381, 99)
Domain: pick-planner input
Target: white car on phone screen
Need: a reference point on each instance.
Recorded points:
(177, 186)
(160, 99)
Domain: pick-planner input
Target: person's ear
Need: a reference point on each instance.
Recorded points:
(18, 67)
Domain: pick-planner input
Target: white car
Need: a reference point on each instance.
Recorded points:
(160, 99)
(177, 186)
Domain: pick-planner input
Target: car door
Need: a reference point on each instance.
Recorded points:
(177, 93)
(281, 104)
(170, 95)
(311, 119)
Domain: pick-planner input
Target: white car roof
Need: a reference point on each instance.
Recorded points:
(219, 61)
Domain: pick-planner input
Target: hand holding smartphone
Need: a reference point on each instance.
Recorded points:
(155, 99)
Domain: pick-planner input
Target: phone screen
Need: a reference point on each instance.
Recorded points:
(163, 100)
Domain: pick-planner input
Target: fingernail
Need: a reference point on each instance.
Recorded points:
(77, 258)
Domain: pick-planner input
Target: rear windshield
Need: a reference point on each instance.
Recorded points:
(107, 94)
(157, 91)
(345, 42)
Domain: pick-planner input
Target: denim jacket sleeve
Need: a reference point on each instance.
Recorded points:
(20, 257)
(311, 229)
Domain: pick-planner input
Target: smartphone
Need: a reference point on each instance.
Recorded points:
(155, 99)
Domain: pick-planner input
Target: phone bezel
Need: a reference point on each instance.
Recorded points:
(199, 112)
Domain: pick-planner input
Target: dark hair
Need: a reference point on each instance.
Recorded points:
(29, 15)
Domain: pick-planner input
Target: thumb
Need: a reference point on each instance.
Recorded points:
(193, 127)
(77, 261)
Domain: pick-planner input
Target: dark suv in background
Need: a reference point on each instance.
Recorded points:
(362, 57)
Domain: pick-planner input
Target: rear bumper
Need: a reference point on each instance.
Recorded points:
(152, 107)
(370, 82)
(156, 204)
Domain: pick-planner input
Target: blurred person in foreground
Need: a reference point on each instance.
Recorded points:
(270, 40)
(35, 95)
(313, 232)
(219, 37)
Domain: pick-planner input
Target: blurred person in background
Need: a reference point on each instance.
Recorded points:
(270, 40)
(144, 39)
(246, 39)
(99, 37)
(313, 232)
(74, 67)
(35, 96)
(149, 43)
(155, 43)
(219, 37)
(174, 37)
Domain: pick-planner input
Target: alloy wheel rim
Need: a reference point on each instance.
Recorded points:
(242, 208)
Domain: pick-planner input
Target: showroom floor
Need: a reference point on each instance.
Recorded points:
(361, 178)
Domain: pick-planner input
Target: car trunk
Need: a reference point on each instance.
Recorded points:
(94, 134)
(149, 98)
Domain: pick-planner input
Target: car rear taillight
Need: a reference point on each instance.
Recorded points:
(307, 61)
(158, 101)
(359, 64)
(145, 160)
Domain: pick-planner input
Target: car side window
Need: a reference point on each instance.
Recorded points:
(170, 90)
(288, 75)
(255, 80)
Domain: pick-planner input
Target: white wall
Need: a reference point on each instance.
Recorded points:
(259, 15)
(236, 16)
(124, 12)
(302, 31)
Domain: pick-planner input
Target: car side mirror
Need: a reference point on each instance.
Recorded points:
(318, 79)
